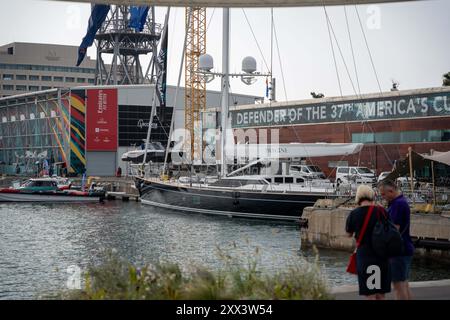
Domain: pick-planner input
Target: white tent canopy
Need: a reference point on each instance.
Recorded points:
(442, 157)
(239, 3)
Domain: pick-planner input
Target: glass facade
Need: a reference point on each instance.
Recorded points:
(46, 78)
(34, 78)
(402, 137)
(33, 129)
(21, 77)
(133, 125)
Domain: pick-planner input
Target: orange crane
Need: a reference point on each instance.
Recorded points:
(195, 85)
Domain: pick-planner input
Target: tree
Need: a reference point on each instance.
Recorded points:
(446, 80)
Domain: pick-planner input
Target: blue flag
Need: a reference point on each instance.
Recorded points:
(98, 15)
(138, 16)
(162, 70)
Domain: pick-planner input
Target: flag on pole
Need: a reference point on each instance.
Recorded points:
(138, 16)
(162, 69)
(267, 87)
(98, 15)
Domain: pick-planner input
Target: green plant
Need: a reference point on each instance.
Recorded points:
(239, 278)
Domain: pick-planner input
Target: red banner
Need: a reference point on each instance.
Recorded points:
(101, 120)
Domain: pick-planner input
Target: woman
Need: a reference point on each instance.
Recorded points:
(374, 277)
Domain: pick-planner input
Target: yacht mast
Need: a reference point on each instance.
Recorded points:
(225, 88)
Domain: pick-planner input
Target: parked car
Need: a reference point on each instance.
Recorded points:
(307, 171)
(355, 175)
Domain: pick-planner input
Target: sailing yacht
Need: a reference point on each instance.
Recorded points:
(269, 194)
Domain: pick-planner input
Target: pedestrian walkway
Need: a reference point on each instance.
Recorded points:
(425, 290)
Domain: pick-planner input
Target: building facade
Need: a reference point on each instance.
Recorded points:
(29, 67)
(387, 123)
(86, 128)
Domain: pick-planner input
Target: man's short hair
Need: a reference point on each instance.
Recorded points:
(388, 184)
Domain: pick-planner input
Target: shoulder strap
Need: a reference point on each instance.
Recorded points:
(364, 227)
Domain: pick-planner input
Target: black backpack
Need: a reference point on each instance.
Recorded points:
(387, 241)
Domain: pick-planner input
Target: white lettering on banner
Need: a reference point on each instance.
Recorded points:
(436, 108)
(436, 105)
(239, 118)
(102, 105)
(400, 111)
(424, 104)
(411, 107)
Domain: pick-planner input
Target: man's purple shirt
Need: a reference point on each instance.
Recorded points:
(401, 215)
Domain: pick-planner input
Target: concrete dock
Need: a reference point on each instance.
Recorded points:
(325, 227)
(425, 290)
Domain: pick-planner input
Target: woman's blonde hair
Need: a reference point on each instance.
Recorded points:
(364, 192)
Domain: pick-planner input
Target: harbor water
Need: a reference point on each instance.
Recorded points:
(40, 243)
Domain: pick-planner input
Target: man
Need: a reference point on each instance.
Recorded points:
(400, 215)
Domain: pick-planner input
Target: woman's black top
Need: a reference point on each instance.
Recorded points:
(365, 256)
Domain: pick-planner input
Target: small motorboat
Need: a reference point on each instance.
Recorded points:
(48, 189)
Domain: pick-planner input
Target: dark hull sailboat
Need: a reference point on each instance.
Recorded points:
(229, 202)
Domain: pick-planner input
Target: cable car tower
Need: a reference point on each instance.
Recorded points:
(126, 45)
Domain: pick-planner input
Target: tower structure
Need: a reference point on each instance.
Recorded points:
(195, 93)
(126, 45)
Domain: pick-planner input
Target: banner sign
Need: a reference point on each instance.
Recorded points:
(101, 120)
(401, 107)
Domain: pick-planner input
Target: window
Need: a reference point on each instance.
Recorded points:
(10, 50)
(405, 136)
(278, 180)
(289, 180)
(8, 87)
(70, 79)
(314, 169)
(300, 180)
(58, 79)
(363, 138)
(46, 78)
(21, 88)
(91, 81)
(343, 170)
(81, 80)
(21, 77)
(34, 78)
(45, 88)
(363, 170)
(8, 77)
(353, 171)
(33, 88)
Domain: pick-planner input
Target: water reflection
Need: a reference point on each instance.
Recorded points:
(39, 242)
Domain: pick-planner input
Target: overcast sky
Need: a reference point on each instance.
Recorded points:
(409, 42)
